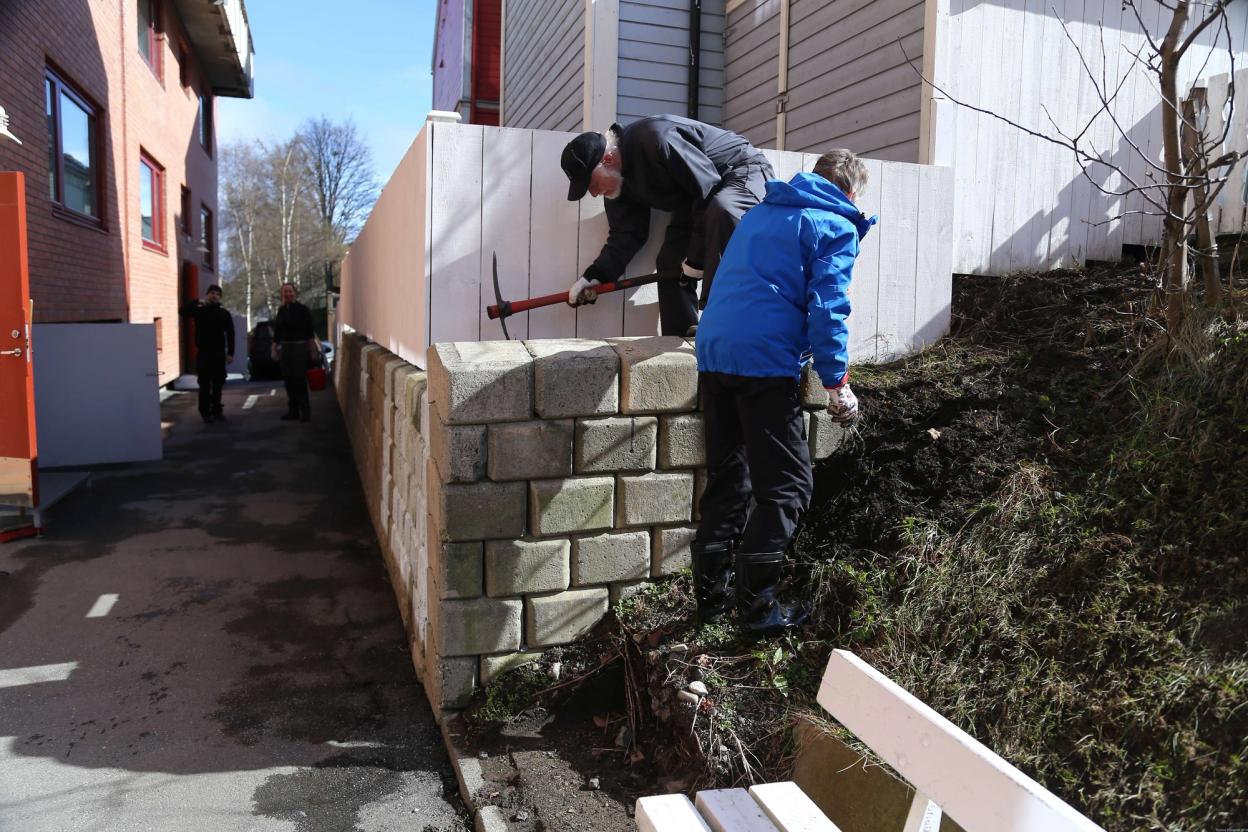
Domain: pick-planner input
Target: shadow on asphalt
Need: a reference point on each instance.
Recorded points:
(254, 627)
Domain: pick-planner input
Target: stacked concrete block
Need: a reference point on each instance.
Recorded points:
(520, 489)
(381, 399)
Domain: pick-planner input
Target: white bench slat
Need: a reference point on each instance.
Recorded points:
(732, 810)
(924, 815)
(668, 813)
(790, 809)
(973, 785)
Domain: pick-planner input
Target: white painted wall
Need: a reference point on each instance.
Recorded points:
(420, 272)
(452, 54)
(1020, 202)
(385, 290)
(96, 398)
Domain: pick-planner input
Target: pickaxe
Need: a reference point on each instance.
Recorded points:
(504, 309)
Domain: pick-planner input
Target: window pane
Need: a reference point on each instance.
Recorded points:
(49, 95)
(147, 186)
(207, 235)
(203, 121)
(78, 156)
(145, 29)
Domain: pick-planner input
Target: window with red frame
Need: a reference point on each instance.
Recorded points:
(205, 122)
(208, 236)
(184, 64)
(75, 169)
(151, 202)
(186, 211)
(149, 35)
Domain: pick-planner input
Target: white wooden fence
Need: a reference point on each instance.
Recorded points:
(420, 271)
(1021, 202)
(1230, 210)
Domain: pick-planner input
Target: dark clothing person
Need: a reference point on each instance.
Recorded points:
(214, 344)
(294, 334)
(293, 323)
(707, 178)
(759, 480)
(783, 294)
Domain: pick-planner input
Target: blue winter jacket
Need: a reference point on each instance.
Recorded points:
(782, 288)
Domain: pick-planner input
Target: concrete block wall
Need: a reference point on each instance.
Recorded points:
(520, 488)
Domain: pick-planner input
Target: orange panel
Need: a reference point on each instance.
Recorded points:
(17, 384)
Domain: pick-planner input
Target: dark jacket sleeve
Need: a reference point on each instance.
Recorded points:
(229, 330)
(628, 225)
(698, 177)
(192, 306)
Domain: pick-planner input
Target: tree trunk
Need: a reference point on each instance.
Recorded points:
(1194, 161)
(1174, 242)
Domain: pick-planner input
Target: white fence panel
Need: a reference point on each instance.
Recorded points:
(96, 412)
(420, 272)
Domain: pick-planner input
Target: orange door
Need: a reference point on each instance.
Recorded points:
(18, 484)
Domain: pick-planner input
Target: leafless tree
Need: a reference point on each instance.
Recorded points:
(1181, 187)
(242, 200)
(272, 234)
(340, 169)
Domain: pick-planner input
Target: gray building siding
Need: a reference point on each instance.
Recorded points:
(849, 81)
(751, 73)
(654, 60)
(543, 64)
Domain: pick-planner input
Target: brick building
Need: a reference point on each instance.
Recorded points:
(113, 102)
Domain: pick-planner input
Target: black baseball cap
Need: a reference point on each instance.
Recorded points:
(580, 158)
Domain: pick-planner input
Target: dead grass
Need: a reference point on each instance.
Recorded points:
(1062, 573)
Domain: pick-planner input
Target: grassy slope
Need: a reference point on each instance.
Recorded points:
(1047, 550)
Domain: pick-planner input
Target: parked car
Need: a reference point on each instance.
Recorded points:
(327, 356)
(260, 363)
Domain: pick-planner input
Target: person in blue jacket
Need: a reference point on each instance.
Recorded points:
(781, 292)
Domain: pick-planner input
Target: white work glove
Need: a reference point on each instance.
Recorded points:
(842, 403)
(582, 291)
(690, 271)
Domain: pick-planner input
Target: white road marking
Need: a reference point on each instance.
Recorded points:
(17, 676)
(103, 605)
(251, 402)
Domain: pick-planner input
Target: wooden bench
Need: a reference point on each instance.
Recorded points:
(952, 773)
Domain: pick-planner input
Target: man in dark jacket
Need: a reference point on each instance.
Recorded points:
(783, 293)
(706, 177)
(295, 341)
(214, 348)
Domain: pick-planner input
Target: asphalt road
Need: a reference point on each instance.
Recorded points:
(209, 642)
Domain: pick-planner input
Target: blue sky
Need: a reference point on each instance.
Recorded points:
(367, 59)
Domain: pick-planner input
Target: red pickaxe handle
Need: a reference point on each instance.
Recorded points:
(507, 308)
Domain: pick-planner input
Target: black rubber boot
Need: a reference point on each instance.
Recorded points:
(758, 610)
(712, 579)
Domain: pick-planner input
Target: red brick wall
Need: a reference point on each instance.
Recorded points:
(78, 271)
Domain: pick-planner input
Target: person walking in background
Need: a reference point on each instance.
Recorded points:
(782, 291)
(294, 344)
(707, 177)
(214, 349)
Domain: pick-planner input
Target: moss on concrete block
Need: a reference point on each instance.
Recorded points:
(516, 567)
(576, 504)
(618, 443)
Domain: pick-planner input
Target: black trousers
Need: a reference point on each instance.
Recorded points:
(210, 372)
(294, 363)
(759, 478)
(741, 189)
